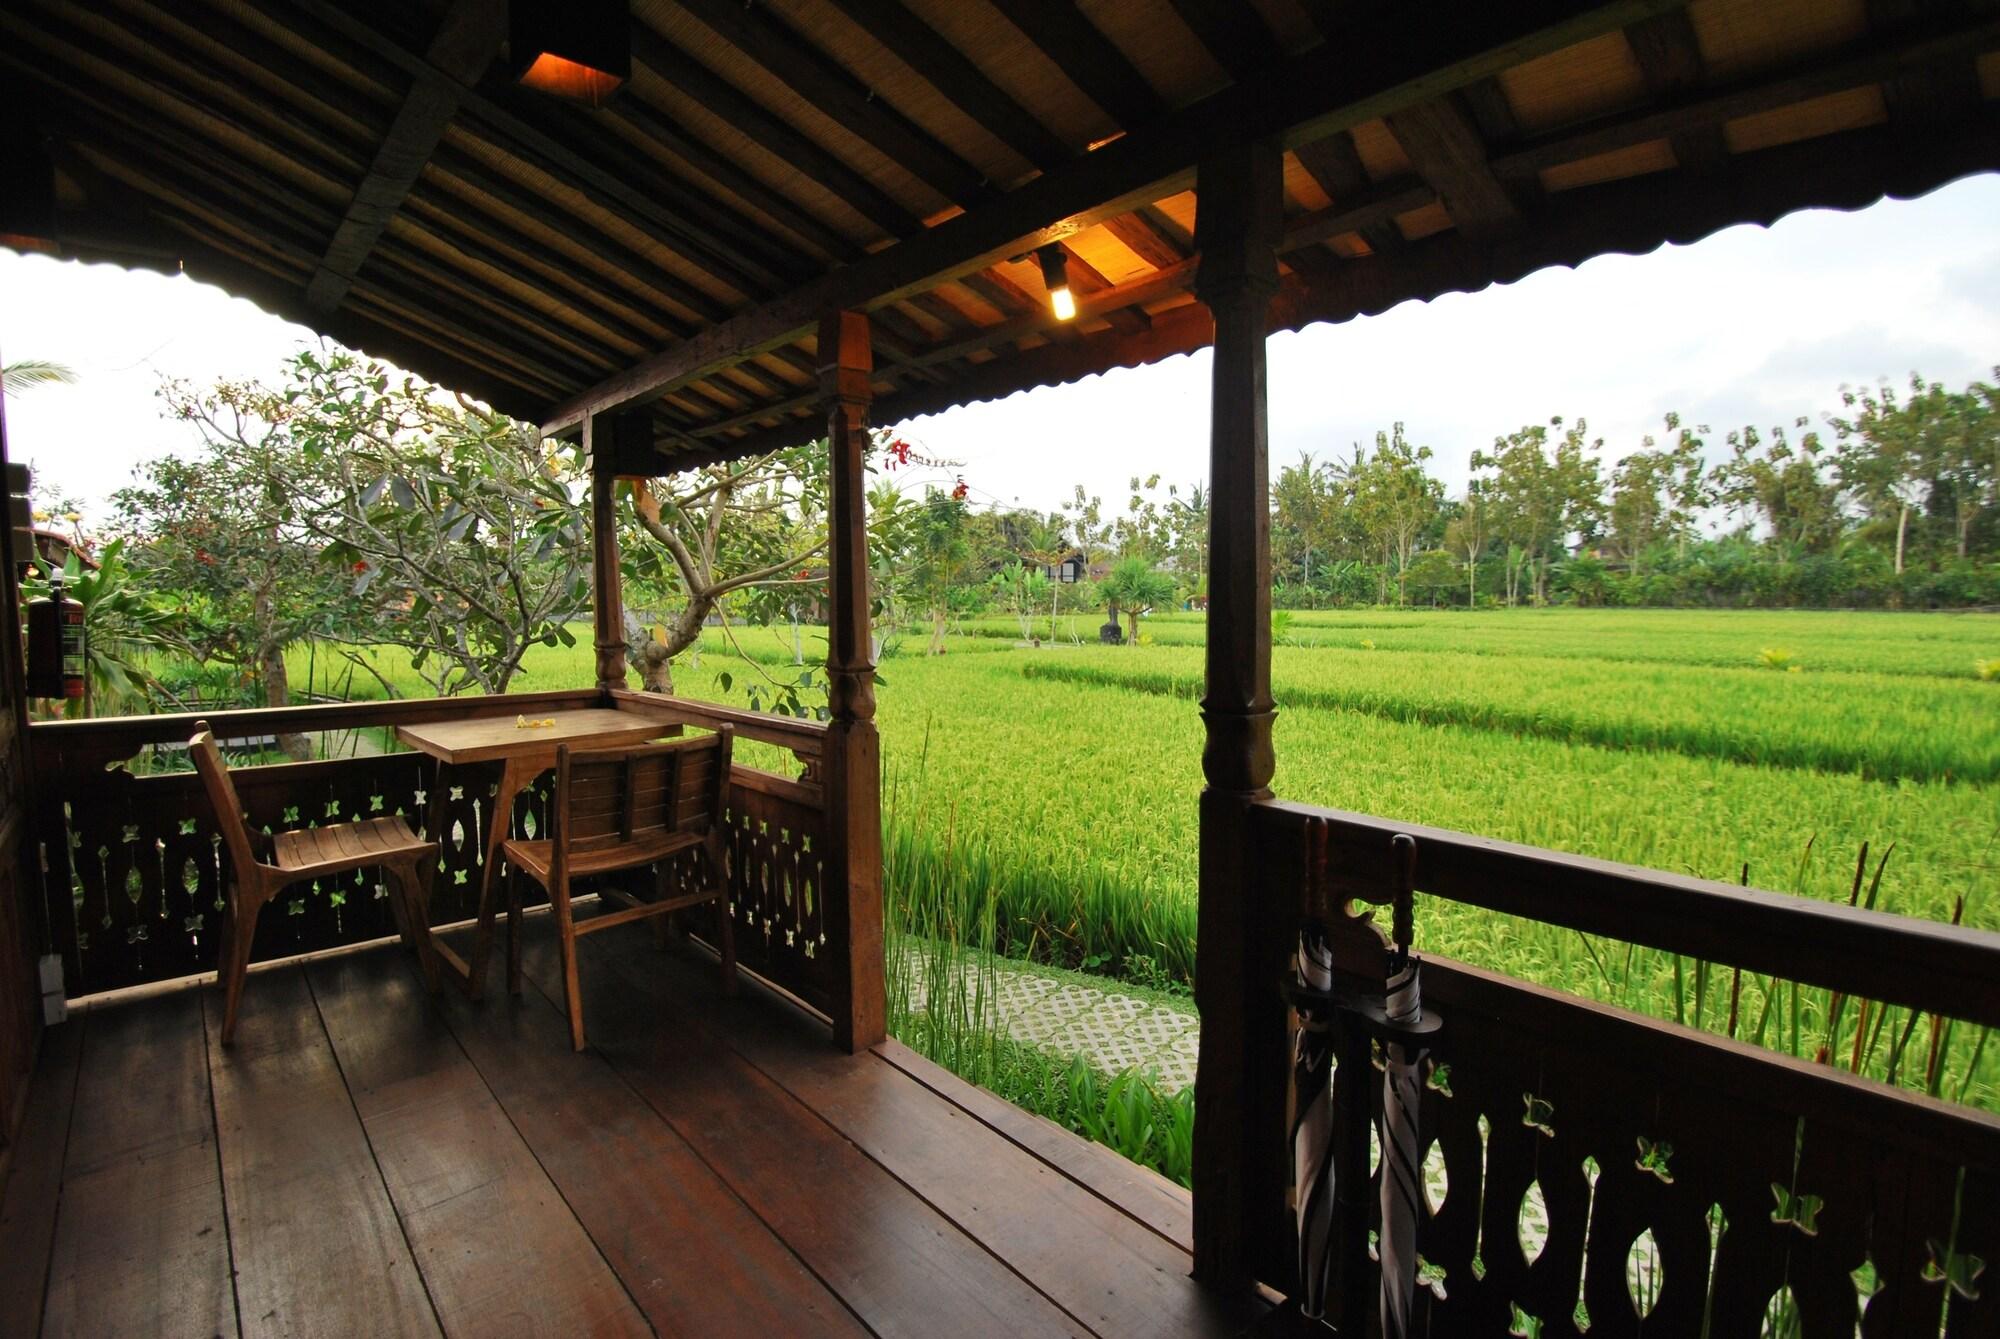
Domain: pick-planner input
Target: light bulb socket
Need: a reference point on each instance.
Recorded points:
(1055, 278)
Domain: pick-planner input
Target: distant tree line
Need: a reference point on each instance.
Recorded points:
(1893, 502)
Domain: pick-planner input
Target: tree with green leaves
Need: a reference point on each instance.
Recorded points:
(1467, 533)
(1133, 586)
(1394, 498)
(1541, 495)
(1769, 477)
(27, 373)
(700, 535)
(1657, 492)
(223, 533)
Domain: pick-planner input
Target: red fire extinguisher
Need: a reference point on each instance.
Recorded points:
(55, 644)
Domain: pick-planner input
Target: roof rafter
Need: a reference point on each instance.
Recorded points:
(613, 176)
(1092, 61)
(1233, 32)
(1329, 88)
(828, 86)
(954, 75)
(467, 40)
(1671, 63)
(1843, 171)
(775, 136)
(1447, 150)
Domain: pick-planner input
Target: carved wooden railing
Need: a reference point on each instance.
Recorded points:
(134, 867)
(1605, 1171)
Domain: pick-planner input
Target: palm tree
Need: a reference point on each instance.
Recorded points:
(31, 372)
(1135, 586)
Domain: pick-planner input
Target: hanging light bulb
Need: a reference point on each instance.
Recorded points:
(1055, 278)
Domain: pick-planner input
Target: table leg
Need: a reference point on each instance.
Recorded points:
(448, 961)
(514, 778)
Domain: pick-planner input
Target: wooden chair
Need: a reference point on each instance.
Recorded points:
(622, 809)
(262, 864)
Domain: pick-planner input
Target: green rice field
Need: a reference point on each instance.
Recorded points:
(1054, 787)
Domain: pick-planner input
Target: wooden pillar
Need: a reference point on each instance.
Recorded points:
(853, 765)
(1239, 1131)
(607, 604)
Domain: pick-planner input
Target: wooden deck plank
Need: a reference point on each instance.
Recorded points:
(34, 1179)
(695, 1258)
(141, 1243)
(899, 1265)
(1140, 1193)
(1104, 1268)
(500, 1252)
(309, 1215)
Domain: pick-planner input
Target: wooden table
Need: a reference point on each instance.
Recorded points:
(525, 752)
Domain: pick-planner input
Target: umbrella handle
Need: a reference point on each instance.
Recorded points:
(1403, 916)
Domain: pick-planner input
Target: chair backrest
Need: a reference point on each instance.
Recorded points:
(605, 796)
(222, 795)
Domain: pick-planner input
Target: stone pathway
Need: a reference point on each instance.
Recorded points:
(1112, 1031)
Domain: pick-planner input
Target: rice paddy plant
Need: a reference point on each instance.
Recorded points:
(1933, 645)
(1868, 725)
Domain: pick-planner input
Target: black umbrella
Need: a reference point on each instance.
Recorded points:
(1402, 1097)
(1312, 1093)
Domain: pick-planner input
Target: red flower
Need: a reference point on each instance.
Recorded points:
(959, 490)
(805, 574)
(360, 564)
(899, 453)
(204, 557)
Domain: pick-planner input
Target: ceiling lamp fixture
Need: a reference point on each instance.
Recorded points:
(577, 49)
(1055, 278)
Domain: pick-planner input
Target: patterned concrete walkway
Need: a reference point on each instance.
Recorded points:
(1112, 1030)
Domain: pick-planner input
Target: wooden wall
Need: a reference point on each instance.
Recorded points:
(20, 995)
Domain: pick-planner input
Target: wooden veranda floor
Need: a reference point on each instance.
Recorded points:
(365, 1161)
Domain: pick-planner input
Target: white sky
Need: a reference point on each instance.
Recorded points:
(1748, 326)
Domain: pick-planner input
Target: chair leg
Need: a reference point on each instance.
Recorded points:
(236, 959)
(725, 931)
(514, 928)
(566, 930)
(414, 917)
(666, 927)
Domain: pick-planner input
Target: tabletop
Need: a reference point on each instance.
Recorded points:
(485, 738)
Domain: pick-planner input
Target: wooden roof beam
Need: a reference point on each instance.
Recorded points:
(242, 186)
(476, 230)
(1447, 151)
(1843, 171)
(708, 233)
(838, 95)
(468, 38)
(939, 63)
(1671, 63)
(1310, 96)
(1868, 61)
(1092, 61)
(1151, 236)
(771, 133)
(1334, 163)
(1925, 95)
(1234, 33)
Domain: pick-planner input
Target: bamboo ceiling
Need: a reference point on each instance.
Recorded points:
(371, 172)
